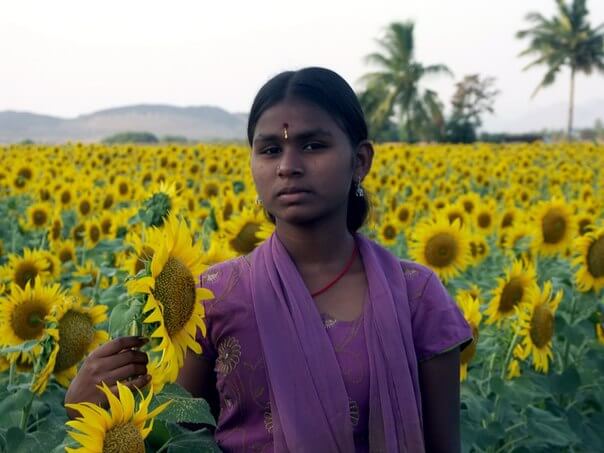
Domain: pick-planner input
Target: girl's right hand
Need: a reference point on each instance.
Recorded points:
(116, 360)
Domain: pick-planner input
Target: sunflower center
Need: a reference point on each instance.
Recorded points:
(389, 232)
(553, 226)
(25, 272)
(95, 233)
(108, 202)
(511, 295)
(39, 217)
(28, 319)
(595, 258)
(228, 211)
(76, 332)
(56, 229)
(507, 221)
(246, 240)
(542, 326)
(455, 216)
(584, 225)
(85, 207)
(441, 250)
(123, 188)
(175, 289)
(468, 353)
(403, 214)
(122, 438)
(484, 220)
(65, 255)
(106, 226)
(65, 197)
(468, 206)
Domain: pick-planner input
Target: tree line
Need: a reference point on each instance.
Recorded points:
(398, 109)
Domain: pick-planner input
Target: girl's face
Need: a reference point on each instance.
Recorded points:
(297, 146)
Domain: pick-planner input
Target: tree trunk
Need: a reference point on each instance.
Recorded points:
(571, 104)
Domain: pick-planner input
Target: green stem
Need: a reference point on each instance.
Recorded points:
(508, 355)
(572, 318)
(506, 447)
(25, 412)
(11, 372)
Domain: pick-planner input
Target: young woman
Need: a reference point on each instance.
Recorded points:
(320, 340)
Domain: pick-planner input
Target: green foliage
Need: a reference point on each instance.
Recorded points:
(565, 40)
(130, 137)
(394, 89)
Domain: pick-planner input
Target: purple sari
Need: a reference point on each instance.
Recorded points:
(409, 317)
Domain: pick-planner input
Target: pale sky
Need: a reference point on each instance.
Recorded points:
(67, 58)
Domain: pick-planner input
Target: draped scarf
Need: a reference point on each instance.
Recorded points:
(309, 403)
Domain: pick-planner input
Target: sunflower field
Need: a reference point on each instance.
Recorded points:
(98, 242)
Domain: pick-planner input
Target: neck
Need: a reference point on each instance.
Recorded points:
(316, 246)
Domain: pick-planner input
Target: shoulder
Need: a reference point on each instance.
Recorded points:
(220, 278)
(420, 281)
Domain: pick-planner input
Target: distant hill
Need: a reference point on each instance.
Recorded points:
(196, 123)
(554, 116)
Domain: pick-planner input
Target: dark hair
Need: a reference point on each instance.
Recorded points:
(329, 91)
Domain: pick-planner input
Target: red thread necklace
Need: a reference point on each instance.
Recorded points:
(333, 282)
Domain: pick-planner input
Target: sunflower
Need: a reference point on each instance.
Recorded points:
(404, 214)
(73, 326)
(484, 217)
(86, 277)
(217, 251)
(38, 216)
(511, 291)
(85, 205)
(442, 246)
(22, 312)
(585, 222)
(92, 232)
(555, 225)
(123, 428)
(64, 250)
(590, 273)
(470, 308)
(389, 230)
(455, 212)
(509, 217)
(241, 230)
(536, 326)
(24, 269)
(173, 298)
(53, 264)
(479, 248)
(469, 202)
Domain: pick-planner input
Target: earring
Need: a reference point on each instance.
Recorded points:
(258, 200)
(359, 192)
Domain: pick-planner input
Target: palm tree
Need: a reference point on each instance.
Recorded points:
(566, 39)
(398, 78)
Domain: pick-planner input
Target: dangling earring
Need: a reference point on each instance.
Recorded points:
(359, 192)
(258, 200)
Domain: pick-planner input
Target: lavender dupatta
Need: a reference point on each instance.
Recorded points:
(309, 403)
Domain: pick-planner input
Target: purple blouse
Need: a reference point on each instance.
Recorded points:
(233, 343)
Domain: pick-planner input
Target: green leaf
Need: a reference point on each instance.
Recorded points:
(549, 429)
(15, 401)
(14, 437)
(567, 382)
(23, 347)
(122, 315)
(183, 408)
